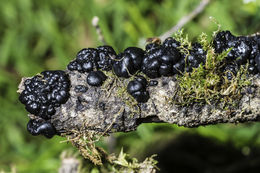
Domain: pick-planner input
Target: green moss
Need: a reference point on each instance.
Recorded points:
(208, 84)
(184, 40)
(120, 85)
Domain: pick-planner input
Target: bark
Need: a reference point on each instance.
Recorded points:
(103, 109)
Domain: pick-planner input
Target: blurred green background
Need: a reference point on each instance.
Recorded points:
(46, 35)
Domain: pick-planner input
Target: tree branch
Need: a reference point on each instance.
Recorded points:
(185, 19)
(105, 110)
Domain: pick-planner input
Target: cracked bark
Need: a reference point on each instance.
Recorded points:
(102, 110)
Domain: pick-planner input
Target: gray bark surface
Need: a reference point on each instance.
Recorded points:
(103, 110)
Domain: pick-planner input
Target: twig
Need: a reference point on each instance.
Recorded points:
(95, 21)
(185, 19)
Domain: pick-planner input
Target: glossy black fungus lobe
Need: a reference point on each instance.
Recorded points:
(243, 50)
(224, 40)
(151, 62)
(123, 65)
(80, 88)
(240, 52)
(196, 57)
(153, 83)
(257, 61)
(40, 127)
(85, 60)
(137, 55)
(42, 93)
(159, 61)
(137, 88)
(171, 42)
(105, 56)
(96, 78)
(89, 59)
(152, 46)
(178, 68)
(129, 62)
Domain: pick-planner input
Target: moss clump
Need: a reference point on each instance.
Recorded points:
(120, 85)
(208, 83)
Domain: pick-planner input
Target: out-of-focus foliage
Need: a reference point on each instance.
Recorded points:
(41, 35)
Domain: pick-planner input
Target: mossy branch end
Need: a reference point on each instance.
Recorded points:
(178, 82)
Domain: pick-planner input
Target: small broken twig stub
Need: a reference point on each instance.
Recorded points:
(95, 23)
(102, 109)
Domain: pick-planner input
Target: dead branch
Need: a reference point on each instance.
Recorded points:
(106, 110)
(185, 19)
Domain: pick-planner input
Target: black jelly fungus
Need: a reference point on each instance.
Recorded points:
(80, 88)
(105, 56)
(153, 83)
(123, 65)
(171, 42)
(257, 61)
(96, 78)
(89, 59)
(137, 88)
(39, 127)
(44, 92)
(151, 46)
(137, 55)
(102, 106)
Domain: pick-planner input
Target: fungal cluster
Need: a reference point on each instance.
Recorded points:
(41, 95)
(243, 50)
(166, 59)
(44, 93)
